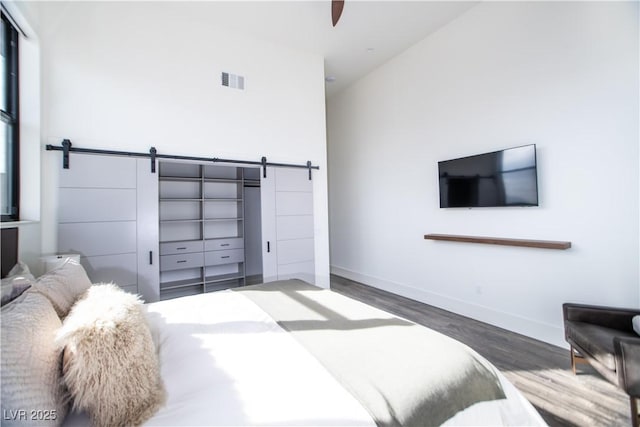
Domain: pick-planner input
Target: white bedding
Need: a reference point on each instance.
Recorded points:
(224, 361)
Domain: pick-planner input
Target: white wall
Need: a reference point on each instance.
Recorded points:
(128, 76)
(561, 75)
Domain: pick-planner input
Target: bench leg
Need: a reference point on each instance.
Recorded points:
(576, 358)
(634, 412)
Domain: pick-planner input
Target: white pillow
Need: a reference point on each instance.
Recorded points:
(635, 321)
(31, 386)
(17, 281)
(63, 285)
(110, 366)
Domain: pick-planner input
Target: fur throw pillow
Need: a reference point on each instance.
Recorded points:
(110, 363)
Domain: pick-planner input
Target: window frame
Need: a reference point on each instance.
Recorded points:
(11, 115)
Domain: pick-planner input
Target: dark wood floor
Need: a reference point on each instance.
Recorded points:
(541, 371)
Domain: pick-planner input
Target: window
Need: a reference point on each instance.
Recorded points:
(9, 124)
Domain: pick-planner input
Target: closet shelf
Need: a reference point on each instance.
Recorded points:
(178, 284)
(223, 180)
(202, 240)
(180, 178)
(544, 244)
(200, 179)
(170, 221)
(177, 241)
(205, 199)
(223, 278)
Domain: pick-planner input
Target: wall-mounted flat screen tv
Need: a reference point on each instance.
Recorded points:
(501, 178)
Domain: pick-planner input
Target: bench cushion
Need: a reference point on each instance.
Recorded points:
(596, 340)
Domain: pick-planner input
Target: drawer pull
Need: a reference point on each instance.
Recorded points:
(224, 244)
(180, 249)
(223, 257)
(181, 261)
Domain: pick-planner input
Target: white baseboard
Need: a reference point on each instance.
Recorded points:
(532, 328)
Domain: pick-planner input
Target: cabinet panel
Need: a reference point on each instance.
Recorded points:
(229, 256)
(119, 269)
(101, 238)
(299, 270)
(294, 251)
(268, 214)
(148, 232)
(94, 171)
(178, 262)
(252, 232)
(108, 213)
(293, 180)
(287, 225)
(172, 248)
(295, 227)
(294, 203)
(220, 244)
(96, 204)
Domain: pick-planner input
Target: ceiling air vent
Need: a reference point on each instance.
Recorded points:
(233, 81)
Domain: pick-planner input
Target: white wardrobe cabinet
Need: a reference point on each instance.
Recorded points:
(107, 213)
(189, 227)
(287, 225)
(202, 228)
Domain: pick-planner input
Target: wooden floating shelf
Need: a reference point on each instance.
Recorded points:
(545, 244)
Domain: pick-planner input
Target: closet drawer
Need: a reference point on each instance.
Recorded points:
(189, 246)
(224, 257)
(222, 244)
(178, 262)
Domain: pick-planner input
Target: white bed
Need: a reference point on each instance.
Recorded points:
(225, 361)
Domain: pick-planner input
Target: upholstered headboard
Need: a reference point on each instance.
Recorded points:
(9, 249)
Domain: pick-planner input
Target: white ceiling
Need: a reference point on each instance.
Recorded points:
(387, 27)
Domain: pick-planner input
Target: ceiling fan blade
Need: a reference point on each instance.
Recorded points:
(336, 10)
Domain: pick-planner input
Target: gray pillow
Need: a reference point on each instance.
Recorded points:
(63, 285)
(17, 281)
(32, 392)
(635, 322)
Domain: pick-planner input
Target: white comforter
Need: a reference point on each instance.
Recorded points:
(225, 362)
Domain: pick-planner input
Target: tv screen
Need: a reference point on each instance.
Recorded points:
(501, 178)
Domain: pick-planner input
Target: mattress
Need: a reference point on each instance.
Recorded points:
(235, 359)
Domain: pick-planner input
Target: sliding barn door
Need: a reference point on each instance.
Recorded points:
(287, 225)
(107, 213)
